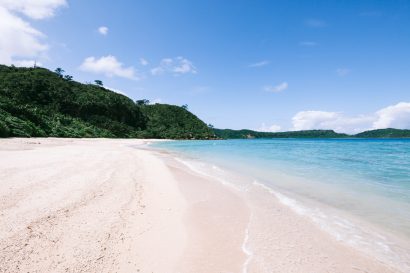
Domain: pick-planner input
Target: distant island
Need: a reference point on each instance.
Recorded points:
(379, 133)
(37, 102)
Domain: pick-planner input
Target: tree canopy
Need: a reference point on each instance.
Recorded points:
(35, 102)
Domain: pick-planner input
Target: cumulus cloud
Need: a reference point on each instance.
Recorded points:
(143, 62)
(21, 43)
(103, 30)
(176, 66)
(308, 120)
(269, 128)
(38, 9)
(108, 66)
(341, 72)
(18, 39)
(164, 65)
(394, 116)
(277, 88)
(184, 66)
(259, 64)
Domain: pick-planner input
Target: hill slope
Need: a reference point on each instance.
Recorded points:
(35, 102)
(170, 121)
(385, 133)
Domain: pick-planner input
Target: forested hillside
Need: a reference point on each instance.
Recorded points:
(35, 102)
(170, 121)
(385, 133)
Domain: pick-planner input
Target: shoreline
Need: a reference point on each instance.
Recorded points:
(334, 253)
(352, 228)
(93, 205)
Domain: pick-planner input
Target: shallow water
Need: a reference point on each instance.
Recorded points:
(356, 189)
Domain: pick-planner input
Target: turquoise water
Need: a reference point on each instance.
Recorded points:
(367, 180)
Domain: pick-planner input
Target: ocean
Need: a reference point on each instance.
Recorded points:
(358, 190)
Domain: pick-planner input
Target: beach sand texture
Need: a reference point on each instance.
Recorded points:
(99, 205)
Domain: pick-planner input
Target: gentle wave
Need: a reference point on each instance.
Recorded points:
(245, 248)
(342, 229)
(346, 231)
(356, 190)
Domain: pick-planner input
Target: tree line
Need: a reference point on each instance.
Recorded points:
(36, 102)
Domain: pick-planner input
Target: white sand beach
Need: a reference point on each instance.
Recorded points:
(100, 205)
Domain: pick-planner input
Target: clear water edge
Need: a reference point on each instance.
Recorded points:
(306, 187)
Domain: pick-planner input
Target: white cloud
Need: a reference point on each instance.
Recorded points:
(164, 65)
(278, 88)
(259, 64)
(103, 30)
(395, 116)
(308, 43)
(35, 9)
(184, 66)
(143, 62)
(341, 72)
(315, 23)
(177, 66)
(308, 120)
(20, 43)
(108, 66)
(18, 39)
(269, 128)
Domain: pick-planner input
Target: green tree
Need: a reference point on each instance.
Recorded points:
(59, 71)
(4, 130)
(98, 82)
(68, 78)
(142, 102)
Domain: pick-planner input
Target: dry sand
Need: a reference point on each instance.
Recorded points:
(88, 205)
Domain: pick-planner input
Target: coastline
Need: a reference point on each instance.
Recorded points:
(101, 205)
(278, 238)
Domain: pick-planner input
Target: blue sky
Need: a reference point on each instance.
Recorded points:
(267, 65)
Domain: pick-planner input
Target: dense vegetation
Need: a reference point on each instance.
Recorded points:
(170, 121)
(385, 133)
(227, 133)
(35, 102)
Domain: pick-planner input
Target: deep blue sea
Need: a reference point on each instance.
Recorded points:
(362, 180)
